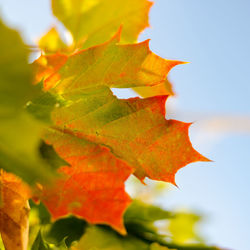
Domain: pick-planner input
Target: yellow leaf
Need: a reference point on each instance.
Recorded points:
(183, 228)
(164, 88)
(52, 42)
(93, 22)
(14, 212)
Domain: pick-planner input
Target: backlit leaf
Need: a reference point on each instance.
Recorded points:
(109, 64)
(95, 21)
(51, 42)
(14, 212)
(183, 228)
(135, 129)
(92, 187)
(104, 138)
(45, 65)
(164, 88)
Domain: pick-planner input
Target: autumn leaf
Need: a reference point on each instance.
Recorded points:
(93, 187)
(14, 212)
(164, 88)
(94, 22)
(51, 42)
(132, 133)
(137, 124)
(46, 65)
(112, 65)
(67, 143)
(130, 65)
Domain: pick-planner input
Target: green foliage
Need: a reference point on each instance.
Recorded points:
(41, 244)
(42, 106)
(15, 73)
(139, 220)
(20, 133)
(183, 228)
(70, 228)
(76, 234)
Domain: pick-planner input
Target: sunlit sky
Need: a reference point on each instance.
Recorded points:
(213, 90)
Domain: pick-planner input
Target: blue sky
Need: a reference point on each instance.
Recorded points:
(213, 90)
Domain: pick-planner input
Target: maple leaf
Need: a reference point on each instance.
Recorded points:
(94, 22)
(93, 187)
(98, 116)
(137, 124)
(14, 212)
(133, 131)
(46, 65)
(109, 64)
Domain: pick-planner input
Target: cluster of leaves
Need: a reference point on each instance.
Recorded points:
(139, 220)
(74, 143)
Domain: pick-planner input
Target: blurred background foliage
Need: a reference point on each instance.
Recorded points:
(148, 227)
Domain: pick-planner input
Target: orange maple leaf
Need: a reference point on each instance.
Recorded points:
(109, 64)
(135, 129)
(92, 187)
(107, 136)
